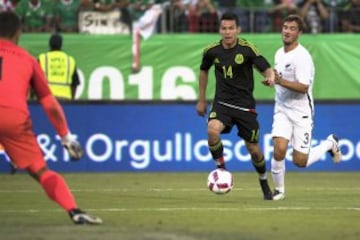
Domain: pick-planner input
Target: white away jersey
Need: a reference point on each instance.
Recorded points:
(296, 65)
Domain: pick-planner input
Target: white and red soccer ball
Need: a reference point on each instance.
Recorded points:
(220, 181)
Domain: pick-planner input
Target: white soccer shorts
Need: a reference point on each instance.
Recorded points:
(295, 128)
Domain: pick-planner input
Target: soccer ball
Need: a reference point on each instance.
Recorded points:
(220, 181)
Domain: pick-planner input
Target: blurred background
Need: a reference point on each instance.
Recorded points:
(186, 16)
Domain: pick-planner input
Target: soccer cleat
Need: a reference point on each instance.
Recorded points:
(335, 152)
(277, 195)
(266, 189)
(80, 217)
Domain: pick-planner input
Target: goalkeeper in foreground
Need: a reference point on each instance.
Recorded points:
(16, 133)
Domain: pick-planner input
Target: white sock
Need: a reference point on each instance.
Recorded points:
(278, 174)
(317, 152)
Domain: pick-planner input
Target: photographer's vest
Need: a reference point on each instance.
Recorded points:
(59, 69)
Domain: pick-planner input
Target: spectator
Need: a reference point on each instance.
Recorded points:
(229, 4)
(60, 70)
(108, 5)
(35, 15)
(207, 16)
(350, 17)
(6, 5)
(279, 11)
(332, 23)
(239, 7)
(177, 16)
(86, 5)
(66, 15)
(225, 6)
(193, 26)
(203, 16)
(315, 14)
(259, 19)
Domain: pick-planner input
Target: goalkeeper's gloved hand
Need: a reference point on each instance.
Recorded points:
(72, 146)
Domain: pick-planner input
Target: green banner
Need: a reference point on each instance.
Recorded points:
(170, 64)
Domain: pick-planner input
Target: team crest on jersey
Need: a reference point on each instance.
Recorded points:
(212, 115)
(239, 58)
(288, 67)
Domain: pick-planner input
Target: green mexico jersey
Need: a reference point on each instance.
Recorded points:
(32, 16)
(67, 11)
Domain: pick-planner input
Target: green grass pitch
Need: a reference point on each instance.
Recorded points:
(178, 206)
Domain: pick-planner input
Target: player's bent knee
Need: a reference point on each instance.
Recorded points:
(279, 155)
(36, 172)
(256, 157)
(300, 162)
(213, 135)
(300, 159)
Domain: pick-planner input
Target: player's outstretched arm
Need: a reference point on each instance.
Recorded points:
(269, 77)
(56, 115)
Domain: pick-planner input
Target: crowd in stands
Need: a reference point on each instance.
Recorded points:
(193, 16)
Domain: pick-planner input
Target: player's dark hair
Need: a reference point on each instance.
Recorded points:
(299, 20)
(230, 16)
(9, 24)
(55, 42)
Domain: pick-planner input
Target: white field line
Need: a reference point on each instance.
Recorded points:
(175, 209)
(125, 190)
(97, 190)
